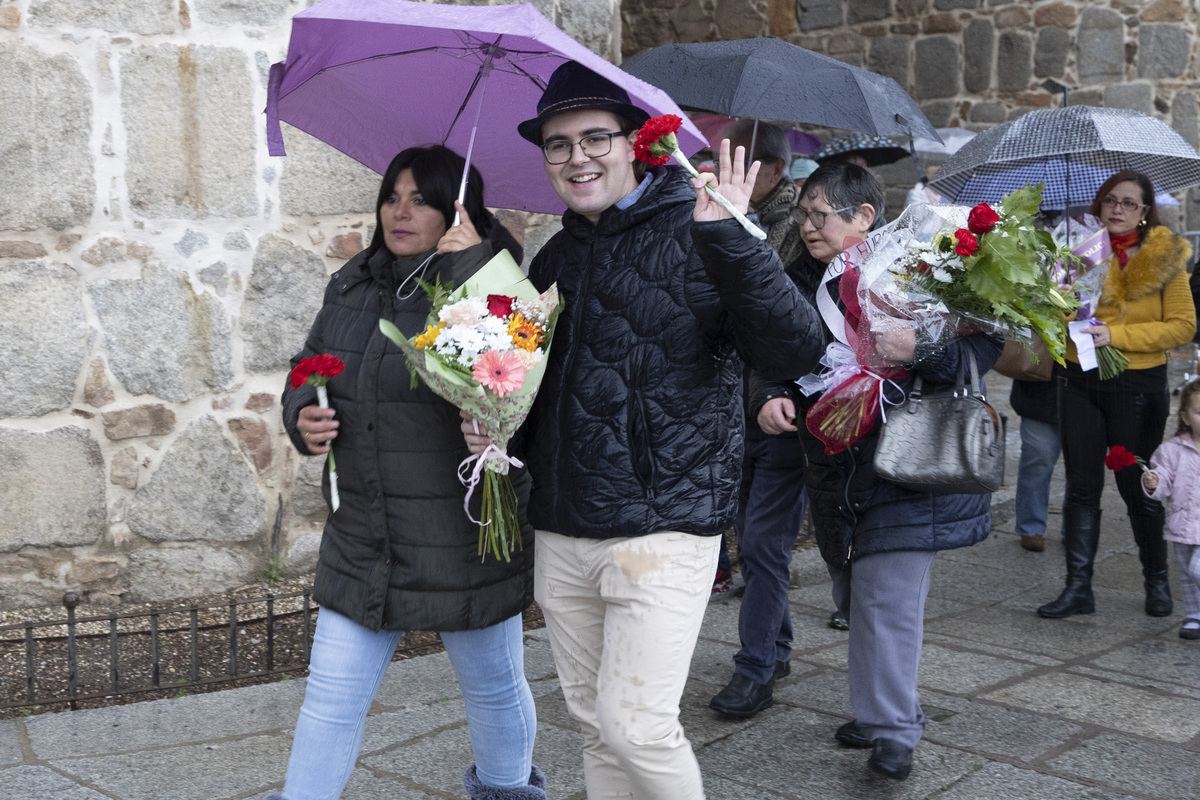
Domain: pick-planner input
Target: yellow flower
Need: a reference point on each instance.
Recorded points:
(430, 336)
(524, 333)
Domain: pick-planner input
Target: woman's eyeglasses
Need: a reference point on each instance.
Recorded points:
(818, 217)
(1127, 204)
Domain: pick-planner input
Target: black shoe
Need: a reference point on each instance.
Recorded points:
(743, 698)
(851, 735)
(891, 758)
(782, 670)
(1148, 533)
(838, 622)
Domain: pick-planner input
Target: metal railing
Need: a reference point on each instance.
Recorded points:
(77, 661)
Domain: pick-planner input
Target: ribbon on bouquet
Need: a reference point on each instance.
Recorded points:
(470, 472)
(853, 395)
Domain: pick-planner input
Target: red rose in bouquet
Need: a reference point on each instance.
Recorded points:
(982, 219)
(967, 243)
(499, 305)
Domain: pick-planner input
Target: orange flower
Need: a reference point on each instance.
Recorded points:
(524, 333)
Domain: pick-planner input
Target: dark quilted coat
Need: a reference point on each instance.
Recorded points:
(639, 423)
(400, 553)
(855, 512)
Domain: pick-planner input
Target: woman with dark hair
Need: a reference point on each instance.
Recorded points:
(1145, 309)
(878, 540)
(400, 553)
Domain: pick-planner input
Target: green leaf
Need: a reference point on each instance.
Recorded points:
(1024, 202)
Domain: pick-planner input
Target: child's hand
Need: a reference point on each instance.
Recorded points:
(1150, 481)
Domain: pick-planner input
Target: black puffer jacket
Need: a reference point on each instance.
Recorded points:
(400, 553)
(638, 426)
(856, 512)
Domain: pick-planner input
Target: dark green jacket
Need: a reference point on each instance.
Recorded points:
(400, 553)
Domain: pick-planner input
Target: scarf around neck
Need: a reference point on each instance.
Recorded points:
(1122, 243)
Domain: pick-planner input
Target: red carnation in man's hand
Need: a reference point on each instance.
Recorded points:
(1119, 458)
(656, 140)
(982, 219)
(323, 367)
(967, 243)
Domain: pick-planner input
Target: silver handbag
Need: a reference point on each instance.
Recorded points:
(944, 443)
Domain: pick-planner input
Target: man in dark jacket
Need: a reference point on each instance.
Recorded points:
(771, 500)
(635, 441)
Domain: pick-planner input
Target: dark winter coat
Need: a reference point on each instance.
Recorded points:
(1037, 400)
(400, 552)
(638, 426)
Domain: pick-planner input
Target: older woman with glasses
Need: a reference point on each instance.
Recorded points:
(878, 540)
(1146, 309)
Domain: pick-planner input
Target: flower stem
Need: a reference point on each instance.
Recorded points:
(334, 500)
(750, 227)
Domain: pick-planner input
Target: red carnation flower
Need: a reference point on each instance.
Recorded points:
(1119, 458)
(656, 140)
(499, 305)
(967, 243)
(982, 219)
(316, 370)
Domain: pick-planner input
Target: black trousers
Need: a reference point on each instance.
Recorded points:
(1128, 411)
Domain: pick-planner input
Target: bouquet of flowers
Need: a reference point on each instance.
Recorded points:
(1083, 276)
(316, 371)
(939, 271)
(656, 144)
(484, 350)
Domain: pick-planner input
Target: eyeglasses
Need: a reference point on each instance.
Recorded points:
(1126, 204)
(817, 217)
(594, 145)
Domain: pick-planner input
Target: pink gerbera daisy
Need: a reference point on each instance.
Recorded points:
(500, 371)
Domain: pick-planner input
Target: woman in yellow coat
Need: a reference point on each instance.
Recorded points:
(1146, 309)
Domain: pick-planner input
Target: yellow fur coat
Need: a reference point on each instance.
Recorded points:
(1148, 305)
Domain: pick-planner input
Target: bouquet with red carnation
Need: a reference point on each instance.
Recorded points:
(656, 144)
(316, 371)
(1119, 458)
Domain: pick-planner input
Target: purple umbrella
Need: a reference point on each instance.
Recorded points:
(371, 77)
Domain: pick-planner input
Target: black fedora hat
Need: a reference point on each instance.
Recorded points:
(574, 87)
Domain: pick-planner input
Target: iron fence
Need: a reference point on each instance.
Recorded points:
(89, 660)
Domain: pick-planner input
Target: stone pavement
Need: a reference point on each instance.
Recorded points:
(1102, 707)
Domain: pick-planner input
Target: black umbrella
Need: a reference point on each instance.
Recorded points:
(875, 150)
(771, 79)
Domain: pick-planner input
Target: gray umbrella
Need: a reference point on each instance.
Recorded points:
(1065, 146)
(771, 79)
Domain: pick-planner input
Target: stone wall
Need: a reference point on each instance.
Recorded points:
(158, 269)
(974, 63)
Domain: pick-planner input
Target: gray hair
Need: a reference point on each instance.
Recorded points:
(770, 144)
(846, 185)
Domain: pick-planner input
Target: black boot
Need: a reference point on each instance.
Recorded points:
(1148, 533)
(1081, 536)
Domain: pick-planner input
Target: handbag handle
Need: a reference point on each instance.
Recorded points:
(960, 389)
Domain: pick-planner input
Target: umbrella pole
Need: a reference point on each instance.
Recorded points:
(485, 72)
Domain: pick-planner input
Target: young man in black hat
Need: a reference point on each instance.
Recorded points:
(635, 441)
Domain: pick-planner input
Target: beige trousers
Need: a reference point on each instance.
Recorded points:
(623, 616)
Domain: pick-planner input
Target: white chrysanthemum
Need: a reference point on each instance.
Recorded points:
(467, 311)
(943, 275)
(491, 327)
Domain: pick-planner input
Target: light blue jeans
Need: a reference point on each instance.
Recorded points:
(1040, 447)
(345, 670)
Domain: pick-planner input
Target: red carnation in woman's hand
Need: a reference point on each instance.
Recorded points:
(656, 140)
(982, 219)
(499, 305)
(1119, 458)
(967, 244)
(316, 370)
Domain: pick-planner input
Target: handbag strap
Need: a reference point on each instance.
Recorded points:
(978, 387)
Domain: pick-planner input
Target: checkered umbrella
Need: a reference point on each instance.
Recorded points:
(875, 150)
(1072, 150)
